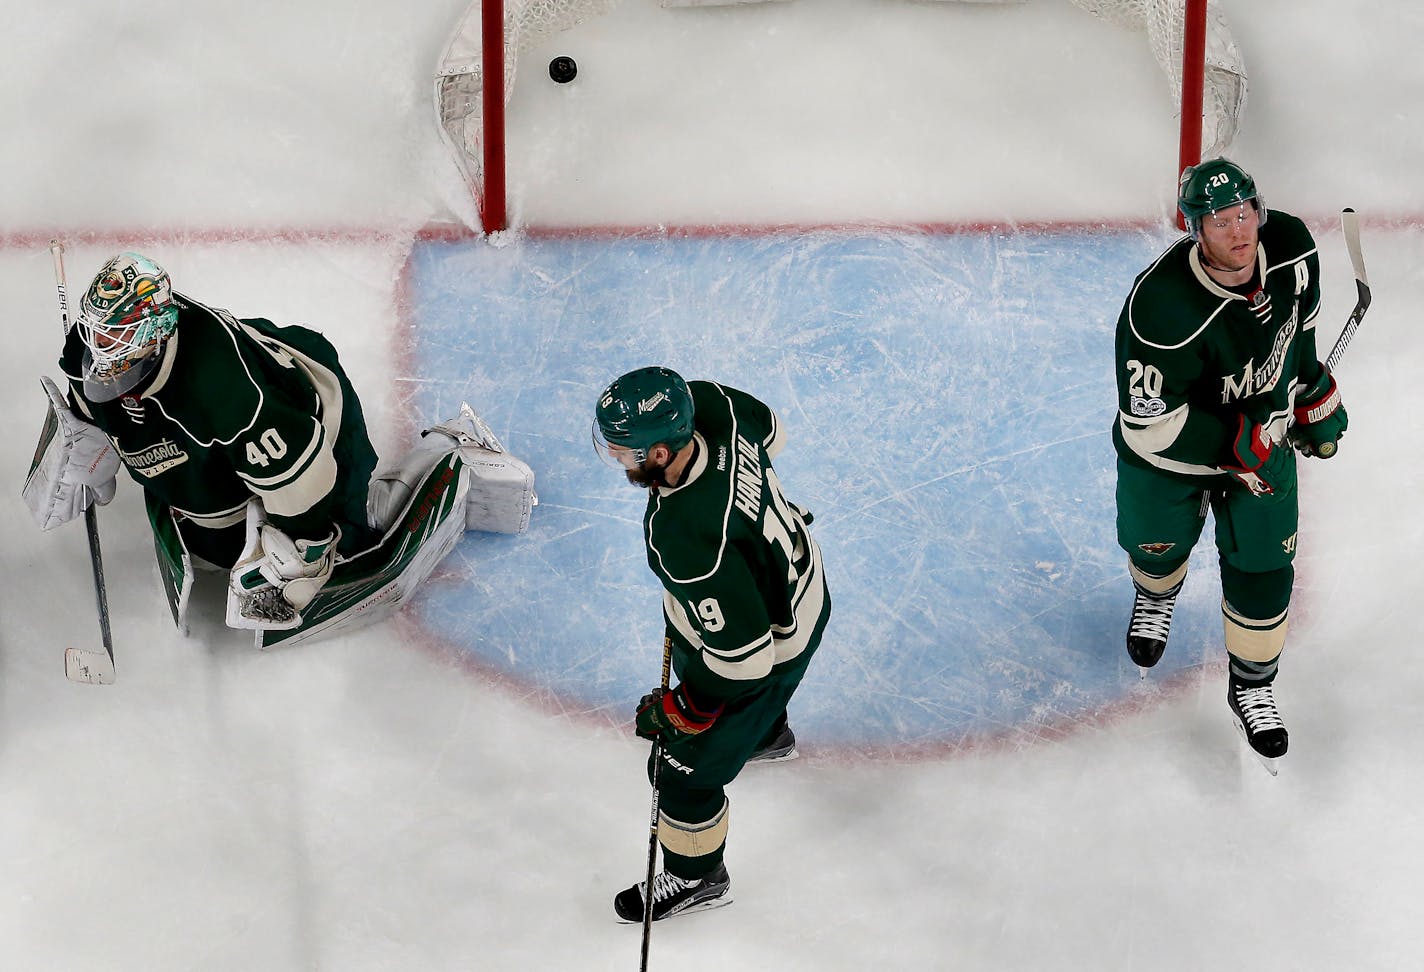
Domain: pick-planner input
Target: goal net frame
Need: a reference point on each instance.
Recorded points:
(1202, 64)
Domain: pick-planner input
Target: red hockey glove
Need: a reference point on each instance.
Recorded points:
(1256, 462)
(672, 715)
(1320, 417)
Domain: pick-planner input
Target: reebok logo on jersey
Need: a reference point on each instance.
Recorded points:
(154, 460)
(648, 404)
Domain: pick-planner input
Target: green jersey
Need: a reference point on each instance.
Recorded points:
(237, 409)
(1194, 356)
(744, 593)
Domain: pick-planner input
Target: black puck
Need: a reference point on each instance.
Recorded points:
(563, 69)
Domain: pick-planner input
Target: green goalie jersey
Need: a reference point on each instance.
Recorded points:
(744, 591)
(1193, 356)
(236, 409)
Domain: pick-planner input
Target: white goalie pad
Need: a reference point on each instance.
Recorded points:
(175, 563)
(74, 465)
(373, 584)
(501, 493)
(457, 477)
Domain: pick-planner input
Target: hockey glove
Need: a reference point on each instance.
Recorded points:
(75, 465)
(296, 568)
(672, 715)
(1320, 417)
(1256, 461)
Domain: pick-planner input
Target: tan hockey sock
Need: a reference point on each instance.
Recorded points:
(1253, 639)
(1154, 584)
(694, 839)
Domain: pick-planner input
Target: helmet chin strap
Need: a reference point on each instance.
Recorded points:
(1201, 255)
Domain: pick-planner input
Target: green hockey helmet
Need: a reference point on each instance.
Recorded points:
(1214, 185)
(643, 408)
(125, 317)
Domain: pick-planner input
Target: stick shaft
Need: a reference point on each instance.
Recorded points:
(91, 517)
(653, 819)
(1350, 225)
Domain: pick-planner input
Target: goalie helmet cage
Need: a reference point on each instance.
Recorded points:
(1190, 41)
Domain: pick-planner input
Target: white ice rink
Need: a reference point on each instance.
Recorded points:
(374, 803)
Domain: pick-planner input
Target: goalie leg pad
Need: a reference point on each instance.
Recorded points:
(501, 493)
(175, 563)
(371, 585)
(501, 496)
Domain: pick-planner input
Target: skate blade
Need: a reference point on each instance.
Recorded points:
(1269, 763)
(792, 753)
(708, 905)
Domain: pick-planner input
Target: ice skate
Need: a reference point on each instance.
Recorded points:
(1151, 621)
(1259, 722)
(777, 748)
(673, 895)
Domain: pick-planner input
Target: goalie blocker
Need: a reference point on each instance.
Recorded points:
(457, 478)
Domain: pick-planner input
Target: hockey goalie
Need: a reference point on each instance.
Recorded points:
(251, 448)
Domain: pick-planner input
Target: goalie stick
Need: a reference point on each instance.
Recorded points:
(82, 664)
(1350, 224)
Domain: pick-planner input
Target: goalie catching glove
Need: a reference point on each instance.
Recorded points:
(1320, 417)
(277, 577)
(75, 464)
(672, 715)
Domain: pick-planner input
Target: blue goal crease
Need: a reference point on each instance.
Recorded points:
(947, 399)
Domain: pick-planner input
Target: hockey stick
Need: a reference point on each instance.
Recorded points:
(80, 664)
(653, 819)
(1350, 224)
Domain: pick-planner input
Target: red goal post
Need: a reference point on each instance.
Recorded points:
(1190, 41)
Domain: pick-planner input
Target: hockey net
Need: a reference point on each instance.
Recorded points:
(1216, 71)
(470, 112)
(1190, 40)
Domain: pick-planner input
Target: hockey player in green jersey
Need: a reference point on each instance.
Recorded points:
(744, 603)
(249, 443)
(1218, 376)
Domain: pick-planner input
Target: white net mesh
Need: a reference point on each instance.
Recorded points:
(458, 83)
(1224, 81)
(459, 78)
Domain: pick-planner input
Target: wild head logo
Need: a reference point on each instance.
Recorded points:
(1155, 549)
(113, 283)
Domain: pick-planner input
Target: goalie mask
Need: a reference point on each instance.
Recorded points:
(125, 317)
(642, 409)
(1212, 186)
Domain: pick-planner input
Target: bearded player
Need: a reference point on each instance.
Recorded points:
(744, 601)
